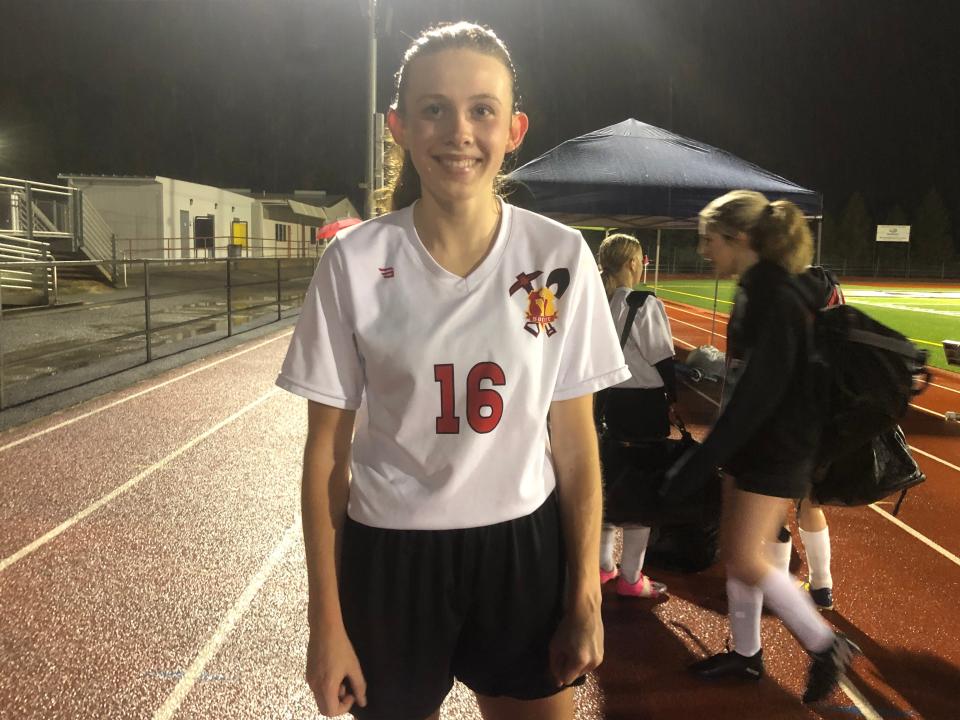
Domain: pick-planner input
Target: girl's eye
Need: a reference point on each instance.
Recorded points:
(483, 110)
(433, 109)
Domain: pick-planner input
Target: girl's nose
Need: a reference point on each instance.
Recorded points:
(462, 131)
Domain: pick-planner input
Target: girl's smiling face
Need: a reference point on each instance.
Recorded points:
(457, 122)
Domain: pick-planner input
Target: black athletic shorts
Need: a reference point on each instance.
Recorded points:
(423, 607)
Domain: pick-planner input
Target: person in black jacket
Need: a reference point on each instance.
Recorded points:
(767, 435)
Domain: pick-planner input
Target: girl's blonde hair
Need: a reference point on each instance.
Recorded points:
(403, 185)
(615, 252)
(777, 230)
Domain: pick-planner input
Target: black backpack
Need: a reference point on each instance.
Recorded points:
(863, 373)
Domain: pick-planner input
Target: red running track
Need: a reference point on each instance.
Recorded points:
(151, 567)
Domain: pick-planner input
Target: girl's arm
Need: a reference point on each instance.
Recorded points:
(577, 646)
(333, 671)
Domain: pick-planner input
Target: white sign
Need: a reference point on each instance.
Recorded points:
(893, 233)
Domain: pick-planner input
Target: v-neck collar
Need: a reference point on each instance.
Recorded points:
(479, 273)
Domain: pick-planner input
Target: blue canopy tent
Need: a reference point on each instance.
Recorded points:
(635, 175)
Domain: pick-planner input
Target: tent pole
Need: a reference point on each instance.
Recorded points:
(819, 236)
(656, 268)
(716, 292)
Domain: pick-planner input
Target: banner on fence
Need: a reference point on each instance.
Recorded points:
(893, 233)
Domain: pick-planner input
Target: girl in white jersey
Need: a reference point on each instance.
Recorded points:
(433, 344)
(640, 408)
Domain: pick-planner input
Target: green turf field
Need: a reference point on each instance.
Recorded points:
(926, 315)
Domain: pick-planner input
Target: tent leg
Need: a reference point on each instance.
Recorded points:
(713, 320)
(819, 236)
(656, 267)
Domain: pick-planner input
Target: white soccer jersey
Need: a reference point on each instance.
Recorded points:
(650, 339)
(457, 373)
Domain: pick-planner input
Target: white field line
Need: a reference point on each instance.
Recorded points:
(141, 392)
(93, 507)
(229, 622)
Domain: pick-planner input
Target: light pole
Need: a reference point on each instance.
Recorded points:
(371, 103)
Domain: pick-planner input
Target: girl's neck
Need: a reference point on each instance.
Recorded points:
(457, 235)
(623, 279)
(747, 260)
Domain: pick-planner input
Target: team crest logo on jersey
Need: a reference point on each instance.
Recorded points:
(542, 301)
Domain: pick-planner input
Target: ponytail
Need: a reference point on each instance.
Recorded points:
(778, 231)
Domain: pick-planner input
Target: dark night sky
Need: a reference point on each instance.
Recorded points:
(838, 95)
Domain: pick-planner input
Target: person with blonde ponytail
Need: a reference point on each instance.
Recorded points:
(640, 408)
(451, 532)
(766, 438)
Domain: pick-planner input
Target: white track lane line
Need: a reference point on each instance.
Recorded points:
(934, 457)
(92, 508)
(928, 411)
(704, 315)
(141, 392)
(944, 387)
(682, 322)
(922, 538)
(229, 622)
(863, 705)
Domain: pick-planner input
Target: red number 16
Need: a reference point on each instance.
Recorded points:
(448, 423)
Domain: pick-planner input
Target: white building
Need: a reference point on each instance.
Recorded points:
(160, 217)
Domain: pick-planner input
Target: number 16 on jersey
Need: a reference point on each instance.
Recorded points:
(448, 422)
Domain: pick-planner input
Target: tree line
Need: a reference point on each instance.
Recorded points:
(850, 236)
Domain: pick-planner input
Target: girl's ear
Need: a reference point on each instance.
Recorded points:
(519, 124)
(395, 123)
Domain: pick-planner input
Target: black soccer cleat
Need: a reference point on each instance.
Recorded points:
(822, 597)
(827, 667)
(730, 664)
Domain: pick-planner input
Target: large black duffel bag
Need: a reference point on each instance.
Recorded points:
(633, 473)
(873, 471)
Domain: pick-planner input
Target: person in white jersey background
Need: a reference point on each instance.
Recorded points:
(448, 533)
(640, 408)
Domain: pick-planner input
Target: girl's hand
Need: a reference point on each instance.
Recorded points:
(577, 645)
(333, 672)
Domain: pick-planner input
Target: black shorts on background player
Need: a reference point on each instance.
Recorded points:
(423, 607)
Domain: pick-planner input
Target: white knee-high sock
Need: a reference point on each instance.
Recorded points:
(744, 603)
(817, 545)
(634, 551)
(607, 535)
(779, 553)
(796, 609)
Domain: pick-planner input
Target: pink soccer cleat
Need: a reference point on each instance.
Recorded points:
(644, 587)
(608, 575)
